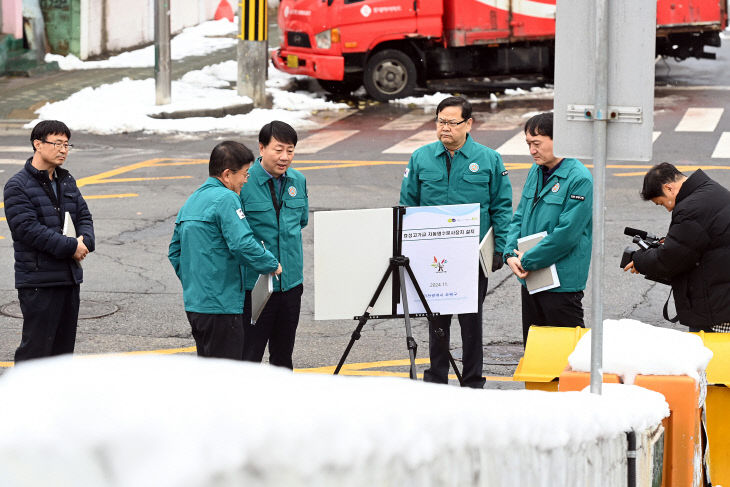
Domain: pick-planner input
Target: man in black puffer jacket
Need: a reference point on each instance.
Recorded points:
(47, 262)
(695, 255)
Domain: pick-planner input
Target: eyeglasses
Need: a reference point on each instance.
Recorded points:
(450, 123)
(59, 145)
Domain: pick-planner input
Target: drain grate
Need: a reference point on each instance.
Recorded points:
(88, 310)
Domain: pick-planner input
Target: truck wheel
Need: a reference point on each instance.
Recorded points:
(344, 87)
(390, 74)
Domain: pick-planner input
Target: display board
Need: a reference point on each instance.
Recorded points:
(352, 251)
(442, 244)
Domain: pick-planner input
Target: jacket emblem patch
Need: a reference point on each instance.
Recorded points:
(292, 191)
(240, 214)
(556, 188)
(505, 172)
(473, 167)
(405, 173)
(577, 197)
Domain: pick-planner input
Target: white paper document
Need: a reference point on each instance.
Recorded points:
(486, 252)
(260, 294)
(540, 279)
(69, 229)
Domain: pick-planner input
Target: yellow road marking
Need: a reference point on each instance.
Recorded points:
(355, 369)
(107, 196)
(132, 180)
(115, 172)
(182, 163)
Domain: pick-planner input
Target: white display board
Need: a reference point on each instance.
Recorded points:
(352, 251)
(442, 244)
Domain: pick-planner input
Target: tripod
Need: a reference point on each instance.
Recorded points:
(398, 265)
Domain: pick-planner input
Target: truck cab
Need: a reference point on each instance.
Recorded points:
(345, 43)
(392, 46)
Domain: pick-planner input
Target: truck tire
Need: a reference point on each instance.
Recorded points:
(390, 74)
(344, 87)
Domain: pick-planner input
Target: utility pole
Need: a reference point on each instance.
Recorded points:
(253, 56)
(163, 68)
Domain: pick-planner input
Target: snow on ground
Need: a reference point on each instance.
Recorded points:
(128, 103)
(631, 347)
(183, 420)
(192, 41)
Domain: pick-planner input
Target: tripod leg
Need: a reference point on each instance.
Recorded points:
(410, 342)
(355, 336)
(364, 318)
(430, 317)
(456, 369)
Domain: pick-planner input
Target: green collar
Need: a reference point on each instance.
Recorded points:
(467, 149)
(259, 174)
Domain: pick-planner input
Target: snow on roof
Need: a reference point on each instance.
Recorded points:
(631, 347)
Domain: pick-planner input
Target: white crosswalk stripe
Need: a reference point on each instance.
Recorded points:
(654, 136)
(699, 120)
(322, 139)
(412, 143)
(325, 118)
(506, 119)
(412, 120)
(12, 162)
(722, 149)
(16, 148)
(515, 146)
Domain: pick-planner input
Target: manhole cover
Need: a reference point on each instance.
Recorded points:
(87, 310)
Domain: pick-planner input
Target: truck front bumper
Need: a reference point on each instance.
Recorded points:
(314, 65)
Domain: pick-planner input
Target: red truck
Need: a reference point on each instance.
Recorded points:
(392, 46)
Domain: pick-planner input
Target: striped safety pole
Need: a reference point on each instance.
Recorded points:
(253, 59)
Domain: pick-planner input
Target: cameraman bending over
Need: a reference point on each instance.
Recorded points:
(695, 255)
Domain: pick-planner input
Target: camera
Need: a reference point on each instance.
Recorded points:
(645, 241)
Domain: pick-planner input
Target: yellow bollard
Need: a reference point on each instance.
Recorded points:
(546, 356)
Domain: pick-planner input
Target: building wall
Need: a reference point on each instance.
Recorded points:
(12, 18)
(115, 25)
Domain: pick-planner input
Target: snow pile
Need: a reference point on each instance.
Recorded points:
(422, 101)
(128, 103)
(631, 347)
(198, 40)
(184, 421)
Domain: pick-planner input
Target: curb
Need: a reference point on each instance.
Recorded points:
(205, 112)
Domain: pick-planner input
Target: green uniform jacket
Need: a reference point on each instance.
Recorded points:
(477, 176)
(564, 209)
(282, 236)
(209, 246)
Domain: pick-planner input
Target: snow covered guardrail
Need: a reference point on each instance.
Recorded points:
(185, 421)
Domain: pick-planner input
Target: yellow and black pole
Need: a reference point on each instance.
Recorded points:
(253, 58)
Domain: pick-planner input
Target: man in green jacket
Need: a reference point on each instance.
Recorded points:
(558, 199)
(210, 245)
(456, 170)
(277, 206)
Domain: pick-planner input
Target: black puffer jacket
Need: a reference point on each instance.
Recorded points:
(43, 255)
(696, 253)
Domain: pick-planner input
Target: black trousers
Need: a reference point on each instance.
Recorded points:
(50, 316)
(471, 339)
(551, 309)
(276, 326)
(219, 336)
